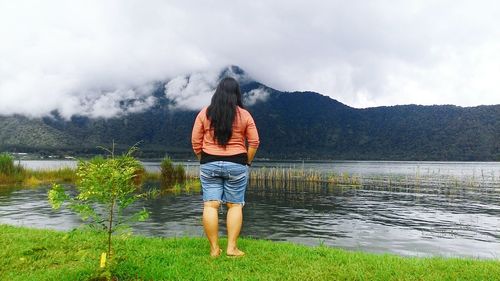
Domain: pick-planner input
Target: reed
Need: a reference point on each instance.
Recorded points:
(46, 175)
(7, 166)
(10, 172)
(151, 176)
(171, 174)
(290, 176)
(419, 180)
(188, 186)
(37, 177)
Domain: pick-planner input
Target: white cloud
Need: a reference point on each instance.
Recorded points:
(255, 96)
(195, 90)
(83, 57)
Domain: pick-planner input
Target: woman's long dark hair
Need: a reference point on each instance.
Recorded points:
(222, 109)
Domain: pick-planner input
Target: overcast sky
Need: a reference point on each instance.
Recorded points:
(84, 56)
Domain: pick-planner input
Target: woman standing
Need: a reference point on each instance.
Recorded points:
(219, 138)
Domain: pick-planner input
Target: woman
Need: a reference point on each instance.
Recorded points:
(219, 134)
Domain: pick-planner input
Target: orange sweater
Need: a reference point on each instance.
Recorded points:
(244, 128)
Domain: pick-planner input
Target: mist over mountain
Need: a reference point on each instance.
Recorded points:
(292, 125)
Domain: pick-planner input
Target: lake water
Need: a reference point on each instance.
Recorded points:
(407, 208)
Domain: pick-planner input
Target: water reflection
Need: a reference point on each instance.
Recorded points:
(408, 208)
(405, 220)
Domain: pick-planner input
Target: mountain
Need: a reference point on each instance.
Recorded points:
(292, 125)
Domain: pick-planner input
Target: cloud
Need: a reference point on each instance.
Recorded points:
(109, 104)
(87, 57)
(194, 91)
(255, 96)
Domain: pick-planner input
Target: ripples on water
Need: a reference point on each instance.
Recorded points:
(433, 217)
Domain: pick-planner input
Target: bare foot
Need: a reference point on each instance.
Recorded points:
(235, 253)
(215, 253)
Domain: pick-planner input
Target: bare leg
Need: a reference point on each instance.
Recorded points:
(211, 225)
(234, 222)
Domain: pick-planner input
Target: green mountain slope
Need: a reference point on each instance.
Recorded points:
(295, 125)
(22, 131)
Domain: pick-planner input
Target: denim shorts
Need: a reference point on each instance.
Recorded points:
(224, 181)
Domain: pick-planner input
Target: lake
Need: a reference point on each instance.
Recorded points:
(405, 208)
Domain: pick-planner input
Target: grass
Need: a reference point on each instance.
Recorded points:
(177, 177)
(278, 177)
(27, 177)
(9, 172)
(170, 175)
(188, 186)
(32, 254)
(7, 165)
(173, 177)
(49, 176)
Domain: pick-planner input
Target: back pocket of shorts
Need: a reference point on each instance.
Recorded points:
(237, 174)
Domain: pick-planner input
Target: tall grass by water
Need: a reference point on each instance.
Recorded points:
(9, 171)
(12, 173)
(37, 177)
(273, 176)
(426, 181)
(174, 176)
(171, 174)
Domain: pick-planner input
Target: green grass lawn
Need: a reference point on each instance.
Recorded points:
(31, 254)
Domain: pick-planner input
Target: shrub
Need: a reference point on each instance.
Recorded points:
(6, 164)
(105, 187)
(180, 173)
(171, 174)
(9, 172)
